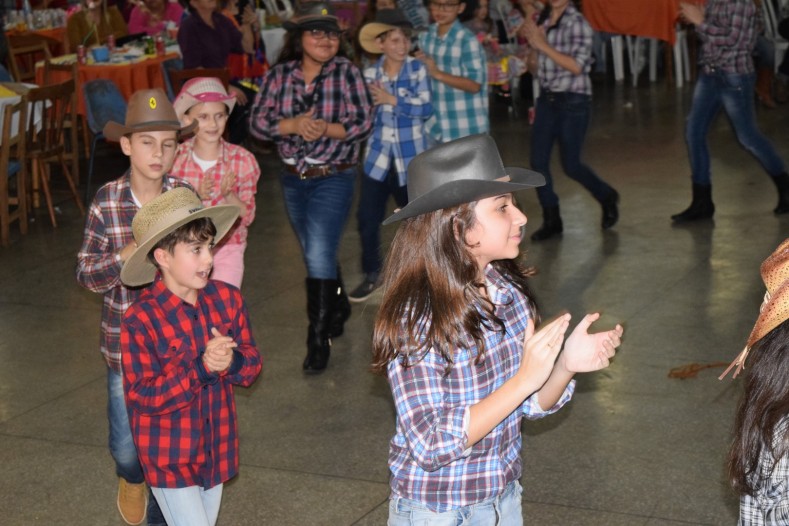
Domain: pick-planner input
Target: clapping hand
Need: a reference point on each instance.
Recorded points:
(541, 348)
(691, 13)
(228, 183)
(206, 188)
(218, 353)
(380, 95)
(585, 352)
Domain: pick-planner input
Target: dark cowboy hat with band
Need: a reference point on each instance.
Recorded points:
(148, 110)
(458, 172)
(385, 20)
(313, 15)
(163, 215)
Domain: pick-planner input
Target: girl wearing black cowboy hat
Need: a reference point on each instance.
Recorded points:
(456, 336)
(315, 106)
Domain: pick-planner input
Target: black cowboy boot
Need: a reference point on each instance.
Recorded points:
(321, 294)
(701, 207)
(551, 224)
(342, 308)
(782, 184)
(610, 209)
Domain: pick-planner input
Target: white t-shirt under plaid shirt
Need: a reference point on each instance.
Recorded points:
(456, 113)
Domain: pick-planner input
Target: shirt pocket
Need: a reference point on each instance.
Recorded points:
(175, 353)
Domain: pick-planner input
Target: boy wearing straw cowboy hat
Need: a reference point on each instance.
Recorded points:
(758, 462)
(185, 343)
(149, 137)
(220, 171)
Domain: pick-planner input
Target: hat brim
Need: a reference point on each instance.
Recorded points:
(317, 22)
(113, 131)
(371, 31)
(138, 270)
(186, 101)
(467, 190)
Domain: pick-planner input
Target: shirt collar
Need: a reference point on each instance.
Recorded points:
(168, 301)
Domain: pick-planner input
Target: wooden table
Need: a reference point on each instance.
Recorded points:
(129, 77)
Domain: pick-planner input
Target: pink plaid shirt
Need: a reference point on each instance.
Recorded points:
(232, 158)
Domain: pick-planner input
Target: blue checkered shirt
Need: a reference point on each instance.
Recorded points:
(457, 113)
(428, 458)
(398, 131)
(770, 502)
(571, 35)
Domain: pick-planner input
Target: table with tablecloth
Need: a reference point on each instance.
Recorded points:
(145, 73)
(10, 94)
(644, 18)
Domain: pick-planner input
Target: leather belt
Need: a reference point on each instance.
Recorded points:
(318, 170)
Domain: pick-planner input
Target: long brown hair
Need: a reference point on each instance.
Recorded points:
(764, 404)
(432, 297)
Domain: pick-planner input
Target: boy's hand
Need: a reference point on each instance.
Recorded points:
(586, 352)
(218, 353)
(228, 184)
(206, 189)
(540, 349)
(380, 95)
(126, 252)
(430, 64)
(241, 97)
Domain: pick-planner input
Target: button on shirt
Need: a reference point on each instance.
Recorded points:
(457, 113)
(338, 95)
(572, 36)
(183, 418)
(428, 458)
(398, 131)
(107, 230)
(728, 35)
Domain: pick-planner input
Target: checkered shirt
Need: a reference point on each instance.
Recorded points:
(457, 113)
(770, 504)
(183, 418)
(728, 35)
(427, 459)
(107, 230)
(338, 94)
(398, 131)
(232, 159)
(571, 35)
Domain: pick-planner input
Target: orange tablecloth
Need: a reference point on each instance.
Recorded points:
(146, 74)
(644, 18)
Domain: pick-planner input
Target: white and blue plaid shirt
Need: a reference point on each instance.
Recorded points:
(398, 131)
(457, 113)
(428, 458)
(770, 502)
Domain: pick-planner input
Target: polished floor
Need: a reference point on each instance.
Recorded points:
(634, 447)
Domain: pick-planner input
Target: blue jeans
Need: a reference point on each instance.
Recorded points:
(317, 209)
(563, 117)
(192, 506)
(372, 208)
(734, 93)
(127, 465)
(503, 510)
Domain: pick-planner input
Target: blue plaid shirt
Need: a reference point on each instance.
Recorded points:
(457, 113)
(398, 131)
(427, 456)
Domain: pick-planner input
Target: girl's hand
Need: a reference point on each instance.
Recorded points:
(586, 352)
(315, 129)
(380, 95)
(228, 184)
(534, 34)
(540, 349)
(691, 13)
(206, 189)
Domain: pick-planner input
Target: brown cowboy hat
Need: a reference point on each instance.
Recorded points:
(775, 307)
(458, 172)
(148, 110)
(385, 20)
(162, 215)
(313, 15)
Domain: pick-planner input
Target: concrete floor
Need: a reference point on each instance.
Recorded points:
(633, 448)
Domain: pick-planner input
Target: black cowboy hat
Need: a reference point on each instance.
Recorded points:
(313, 15)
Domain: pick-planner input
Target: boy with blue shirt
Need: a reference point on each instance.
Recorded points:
(455, 60)
(400, 88)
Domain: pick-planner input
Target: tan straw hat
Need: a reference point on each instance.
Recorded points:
(159, 217)
(775, 307)
(385, 20)
(148, 110)
(202, 89)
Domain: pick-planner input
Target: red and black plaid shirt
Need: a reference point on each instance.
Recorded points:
(183, 418)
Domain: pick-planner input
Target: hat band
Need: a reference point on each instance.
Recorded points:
(148, 124)
(170, 219)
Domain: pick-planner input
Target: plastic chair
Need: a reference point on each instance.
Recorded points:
(103, 103)
(780, 45)
(45, 146)
(13, 169)
(169, 65)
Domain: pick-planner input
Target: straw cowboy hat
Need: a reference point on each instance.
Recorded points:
(148, 110)
(458, 172)
(202, 89)
(162, 215)
(313, 15)
(775, 307)
(385, 20)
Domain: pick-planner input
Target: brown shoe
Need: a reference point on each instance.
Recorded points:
(132, 501)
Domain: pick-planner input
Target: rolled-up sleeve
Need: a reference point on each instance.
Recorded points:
(531, 407)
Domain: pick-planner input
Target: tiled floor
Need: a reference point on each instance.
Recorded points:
(633, 448)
